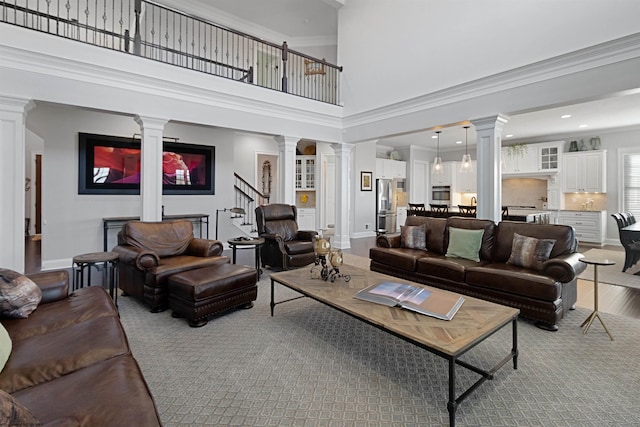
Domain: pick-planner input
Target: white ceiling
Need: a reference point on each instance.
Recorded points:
(319, 19)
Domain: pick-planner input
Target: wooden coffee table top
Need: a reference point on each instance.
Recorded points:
(475, 320)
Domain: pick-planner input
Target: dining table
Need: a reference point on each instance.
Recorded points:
(633, 229)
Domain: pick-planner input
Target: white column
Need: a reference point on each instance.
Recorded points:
(489, 139)
(343, 191)
(151, 129)
(287, 169)
(13, 113)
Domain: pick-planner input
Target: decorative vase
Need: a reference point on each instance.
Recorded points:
(322, 246)
(573, 146)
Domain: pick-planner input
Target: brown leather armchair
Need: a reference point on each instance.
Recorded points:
(150, 252)
(285, 246)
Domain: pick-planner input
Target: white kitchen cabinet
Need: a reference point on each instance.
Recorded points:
(555, 199)
(549, 158)
(306, 219)
(401, 218)
(444, 178)
(519, 161)
(389, 169)
(590, 226)
(585, 172)
(466, 182)
(305, 172)
(543, 158)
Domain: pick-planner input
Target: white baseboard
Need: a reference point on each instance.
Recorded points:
(363, 234)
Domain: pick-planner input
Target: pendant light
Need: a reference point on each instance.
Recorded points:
(437, 162)
(466, 165)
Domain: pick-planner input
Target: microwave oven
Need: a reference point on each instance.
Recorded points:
(441, 194)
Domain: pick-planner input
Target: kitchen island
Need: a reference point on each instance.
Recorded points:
(515, 213)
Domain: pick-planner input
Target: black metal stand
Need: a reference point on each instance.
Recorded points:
(327, 273)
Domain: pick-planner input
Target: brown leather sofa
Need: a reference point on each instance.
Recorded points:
(71, 364)
(285, 246)
(543, 294)
(150, 252)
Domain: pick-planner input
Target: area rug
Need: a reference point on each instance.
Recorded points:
(612, 274)
(311, 365)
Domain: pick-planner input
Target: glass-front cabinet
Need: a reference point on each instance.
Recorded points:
(549, 158)
(305, 172)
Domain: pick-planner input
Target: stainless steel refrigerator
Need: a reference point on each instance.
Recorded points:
(386, 214)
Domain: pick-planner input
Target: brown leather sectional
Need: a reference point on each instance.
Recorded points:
(544, 295)
(71, 363)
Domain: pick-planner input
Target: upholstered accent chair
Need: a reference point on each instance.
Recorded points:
(285, 246)
(151, 252)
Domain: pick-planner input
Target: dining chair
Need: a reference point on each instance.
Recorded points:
(505, 212)
(630, 244)
(467, 210)
(416, 209)
(438, 210)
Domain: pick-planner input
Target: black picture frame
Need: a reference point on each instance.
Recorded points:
(97, 155)
(366, 181)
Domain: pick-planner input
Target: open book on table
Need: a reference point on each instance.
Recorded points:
(431, 302)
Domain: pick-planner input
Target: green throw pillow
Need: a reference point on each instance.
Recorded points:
(5, 346)
(464, 243)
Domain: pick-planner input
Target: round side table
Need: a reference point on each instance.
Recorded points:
(109, 261)
(595, 313)
(248, 243)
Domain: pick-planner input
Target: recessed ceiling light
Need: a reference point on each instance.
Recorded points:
(509, 136)
(434, 137)
(458, 142)
(566, 116)
(583, 126)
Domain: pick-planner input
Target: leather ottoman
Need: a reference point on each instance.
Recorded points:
(200, 293)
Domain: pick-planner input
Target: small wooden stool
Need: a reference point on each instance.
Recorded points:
(200, 293)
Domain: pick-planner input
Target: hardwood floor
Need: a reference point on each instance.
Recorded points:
(611, 298)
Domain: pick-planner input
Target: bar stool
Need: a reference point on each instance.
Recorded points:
(109, 261)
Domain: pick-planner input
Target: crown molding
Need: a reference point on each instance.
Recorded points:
(607, 53)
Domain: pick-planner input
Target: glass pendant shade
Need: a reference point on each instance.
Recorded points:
(437, 165)
(466, 165)
(437, 162)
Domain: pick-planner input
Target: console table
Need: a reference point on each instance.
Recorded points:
(114, 222)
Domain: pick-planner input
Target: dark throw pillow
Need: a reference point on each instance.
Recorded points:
(413, 236)
(15, 414)
(19, 296)
(530, 252)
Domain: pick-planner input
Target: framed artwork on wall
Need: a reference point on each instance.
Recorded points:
(111, 165)
(366, 181)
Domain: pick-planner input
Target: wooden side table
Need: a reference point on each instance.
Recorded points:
(109, 261)
(595, 313)
(247, 243)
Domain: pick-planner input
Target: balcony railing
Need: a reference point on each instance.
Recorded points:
(163, 34)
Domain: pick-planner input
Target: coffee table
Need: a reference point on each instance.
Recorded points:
(475, 321)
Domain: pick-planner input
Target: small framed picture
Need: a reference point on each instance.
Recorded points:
(365, 181)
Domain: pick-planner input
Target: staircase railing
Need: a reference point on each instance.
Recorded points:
(248, 198)
(173, 37)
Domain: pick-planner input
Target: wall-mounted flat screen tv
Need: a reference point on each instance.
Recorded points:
(111, 165)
